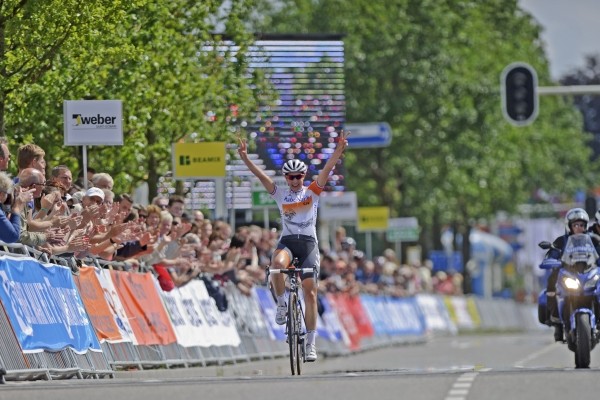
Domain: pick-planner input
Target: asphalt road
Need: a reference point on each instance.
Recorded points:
(524, 366)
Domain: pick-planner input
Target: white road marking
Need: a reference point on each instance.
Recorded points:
(521, 363)
(462, 385)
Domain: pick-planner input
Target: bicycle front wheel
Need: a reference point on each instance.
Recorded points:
(292, 328)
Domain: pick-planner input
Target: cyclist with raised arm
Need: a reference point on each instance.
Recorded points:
(298, 206)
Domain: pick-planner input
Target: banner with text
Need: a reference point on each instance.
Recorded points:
(95, 303)
(144, 307)
(44, 307)
(198, 160)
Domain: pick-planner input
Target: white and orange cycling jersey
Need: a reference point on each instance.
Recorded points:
(298, 209)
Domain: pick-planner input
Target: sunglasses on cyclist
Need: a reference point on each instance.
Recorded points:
(292, 177)
(579, 225)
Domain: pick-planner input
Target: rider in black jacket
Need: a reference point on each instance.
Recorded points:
(576, 221)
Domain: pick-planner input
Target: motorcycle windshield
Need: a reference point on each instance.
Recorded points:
(579, 249)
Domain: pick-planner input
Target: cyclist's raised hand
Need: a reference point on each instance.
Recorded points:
(343, 140)
(242, 148)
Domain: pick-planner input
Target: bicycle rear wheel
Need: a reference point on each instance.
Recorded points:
(292, 327)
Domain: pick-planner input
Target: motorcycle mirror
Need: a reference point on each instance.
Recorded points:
(545, 245)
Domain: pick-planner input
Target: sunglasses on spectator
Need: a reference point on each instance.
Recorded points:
(163, 206)
(292, 177)
(38, 184)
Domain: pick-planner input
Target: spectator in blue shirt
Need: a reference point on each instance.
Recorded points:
(10, 219)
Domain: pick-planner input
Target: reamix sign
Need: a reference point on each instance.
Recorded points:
(198, 160)
(93, 122)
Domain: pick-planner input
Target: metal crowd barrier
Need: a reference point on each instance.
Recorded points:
(257, 342)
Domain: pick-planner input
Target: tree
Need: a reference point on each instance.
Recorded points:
(34, 36)
(176, 81)
(431, 69)
(589, 105)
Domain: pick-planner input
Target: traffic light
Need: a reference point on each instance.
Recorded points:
(519, 94)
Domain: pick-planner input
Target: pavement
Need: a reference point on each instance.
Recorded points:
(270, 367)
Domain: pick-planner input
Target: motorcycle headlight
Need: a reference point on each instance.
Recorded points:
(571, 283)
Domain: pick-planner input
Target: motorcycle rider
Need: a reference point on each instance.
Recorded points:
(576, 222)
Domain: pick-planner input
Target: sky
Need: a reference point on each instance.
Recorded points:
(571, 31)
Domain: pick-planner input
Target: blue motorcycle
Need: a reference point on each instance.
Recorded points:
(577, 295)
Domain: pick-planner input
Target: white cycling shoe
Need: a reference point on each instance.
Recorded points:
(311, 353)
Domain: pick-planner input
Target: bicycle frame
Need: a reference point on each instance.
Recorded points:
(295, 324)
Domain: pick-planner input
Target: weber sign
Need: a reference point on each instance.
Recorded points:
(93, 122)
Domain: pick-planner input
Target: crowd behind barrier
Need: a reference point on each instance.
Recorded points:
(63, 320)
(92, 282)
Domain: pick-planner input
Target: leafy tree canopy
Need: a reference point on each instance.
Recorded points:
(163, 59)
(431, 69)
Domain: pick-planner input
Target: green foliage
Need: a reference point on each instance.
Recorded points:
(161, 59)
(431, 69)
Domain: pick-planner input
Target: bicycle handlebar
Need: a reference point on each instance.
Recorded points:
(289, 271)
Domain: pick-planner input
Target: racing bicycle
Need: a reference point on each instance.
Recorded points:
(295, 327)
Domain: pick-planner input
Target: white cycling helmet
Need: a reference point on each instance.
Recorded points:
(294, 166)
(576, 214)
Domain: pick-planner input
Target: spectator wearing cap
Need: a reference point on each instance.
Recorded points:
(93, 195)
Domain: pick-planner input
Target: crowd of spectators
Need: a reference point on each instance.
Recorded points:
(62, 217)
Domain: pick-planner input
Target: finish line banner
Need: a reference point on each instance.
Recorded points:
(44, 307)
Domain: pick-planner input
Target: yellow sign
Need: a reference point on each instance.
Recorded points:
(373, 218)
(198, 160)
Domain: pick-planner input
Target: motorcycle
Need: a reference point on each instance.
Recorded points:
(577, 295)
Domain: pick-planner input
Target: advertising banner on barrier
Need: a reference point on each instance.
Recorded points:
(249, 319)
(44, 307)
(144, 308)
(405, 316)
(376, 309)
(346, 318)
(269, 308)
(361, 318)
(436, 315)
(191, 327)
(331, 323)
(95, 303)
(222, 324)
(116, 307)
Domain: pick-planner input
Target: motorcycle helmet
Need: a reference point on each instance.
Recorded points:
(576, 214)
(294, 166)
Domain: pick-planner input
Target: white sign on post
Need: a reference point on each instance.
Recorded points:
(93, 122)
(367, 135)
(338, 206)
